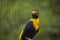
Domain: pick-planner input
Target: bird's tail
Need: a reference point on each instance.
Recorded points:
(20, 36)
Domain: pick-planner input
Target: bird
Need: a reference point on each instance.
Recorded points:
(31, 28)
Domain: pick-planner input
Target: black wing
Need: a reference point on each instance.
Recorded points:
(29, 31)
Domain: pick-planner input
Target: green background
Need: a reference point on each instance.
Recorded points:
(14, 14)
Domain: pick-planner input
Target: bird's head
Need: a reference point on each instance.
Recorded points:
(35, 14)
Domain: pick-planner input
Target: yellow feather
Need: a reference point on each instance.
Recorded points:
(20, 35)
(36, 23)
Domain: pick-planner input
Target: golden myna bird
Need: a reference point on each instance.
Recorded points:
(31, 28)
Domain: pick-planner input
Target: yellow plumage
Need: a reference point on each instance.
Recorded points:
(36, 23)
(20, 35)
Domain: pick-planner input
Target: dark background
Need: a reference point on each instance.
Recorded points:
(14, 14)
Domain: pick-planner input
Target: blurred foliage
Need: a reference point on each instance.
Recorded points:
(14, 14)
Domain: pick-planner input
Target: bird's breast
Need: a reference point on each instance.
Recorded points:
(36, 23)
